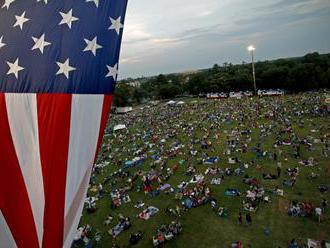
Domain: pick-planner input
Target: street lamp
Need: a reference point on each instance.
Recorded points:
(251, 49)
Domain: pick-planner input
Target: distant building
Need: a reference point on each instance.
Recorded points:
(131, 82)
(135, 83)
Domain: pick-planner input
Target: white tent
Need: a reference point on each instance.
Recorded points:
(170, 102)
(123, 110)
(119, 127)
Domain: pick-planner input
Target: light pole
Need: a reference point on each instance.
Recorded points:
(251, 49)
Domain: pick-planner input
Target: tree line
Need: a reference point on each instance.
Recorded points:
(310, 72)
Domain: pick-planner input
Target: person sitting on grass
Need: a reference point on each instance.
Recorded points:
(293, 244)
(248, 219)
(108, 220)
(269, 176)
(135, 238)
(237, 244)
(324, 204)
(223, 212)
(240, 218)
(318, 213)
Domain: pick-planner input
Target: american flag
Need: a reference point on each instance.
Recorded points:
(58, 70)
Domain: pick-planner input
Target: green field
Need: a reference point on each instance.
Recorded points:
(202, 227)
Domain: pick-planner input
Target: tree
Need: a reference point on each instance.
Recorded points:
(122, 96)
(275, 77)
(161, 79)
(293, 74)
(139, 94)
(168, 91)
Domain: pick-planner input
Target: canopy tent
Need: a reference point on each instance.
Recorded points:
(119, 127)
(170, 102)
(123, 110)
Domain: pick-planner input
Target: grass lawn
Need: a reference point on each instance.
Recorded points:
(202, 227)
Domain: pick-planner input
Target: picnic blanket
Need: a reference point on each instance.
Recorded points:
(117, 229)
(287, 183)
(187, 203)
(216, 181)
(232, 192)
(149, 212)
(197, 179)
(316, 244)
(165, 186)
(210, 160)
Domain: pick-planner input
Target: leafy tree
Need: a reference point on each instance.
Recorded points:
(309, 72)
(168, 91)
(122, 96)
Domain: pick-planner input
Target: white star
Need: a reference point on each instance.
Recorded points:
(113, 71)
(14, 68)
(46, 1)
(7, 3)
(40, 43)
(116, 24)
(95, 1)
(65, 68)
(92, 45)
(67, 18)
(20, 20)
(2, 44)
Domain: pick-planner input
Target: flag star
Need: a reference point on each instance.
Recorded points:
(40, 43)
(113, 71)
(68, 18)
(46, 1)
(95, 1)
(92, 45)
(2, 44)
(7, 3)
(20, 20)
(65, 68)
(14, 68)
(116, 24)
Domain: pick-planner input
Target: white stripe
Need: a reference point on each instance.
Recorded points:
(6, 238)
(86, 113)
(23, 122)
(73, 229)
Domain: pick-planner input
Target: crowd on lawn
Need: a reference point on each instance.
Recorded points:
(206, 142)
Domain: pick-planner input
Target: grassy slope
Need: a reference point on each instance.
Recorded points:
(201, 226)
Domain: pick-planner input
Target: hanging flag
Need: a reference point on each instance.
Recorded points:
(58, 69)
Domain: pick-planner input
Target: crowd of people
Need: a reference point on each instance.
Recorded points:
(183, 154)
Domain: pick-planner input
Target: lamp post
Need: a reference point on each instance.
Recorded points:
(251, 49)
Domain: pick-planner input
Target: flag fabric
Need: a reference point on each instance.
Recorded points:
(58, 70)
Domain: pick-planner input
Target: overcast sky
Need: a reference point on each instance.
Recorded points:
(163, 36)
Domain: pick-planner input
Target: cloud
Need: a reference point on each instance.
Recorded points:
(170, 35)
(205, 13)
(136, 32)
(130, 60)
(312, 6)
(281, 4)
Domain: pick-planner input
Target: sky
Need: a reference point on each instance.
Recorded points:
(165, 36)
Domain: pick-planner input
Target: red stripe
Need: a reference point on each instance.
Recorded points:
(105, 113)
(14, 200)
(54, 113)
